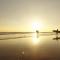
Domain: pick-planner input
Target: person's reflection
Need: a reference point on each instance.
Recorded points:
(57, 41)
(57, 38)
(35, 37)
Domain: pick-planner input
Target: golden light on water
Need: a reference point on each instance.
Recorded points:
(35, 40)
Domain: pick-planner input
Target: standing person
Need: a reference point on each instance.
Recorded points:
(37, 32)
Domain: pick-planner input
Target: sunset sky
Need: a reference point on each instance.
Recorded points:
(25, 15)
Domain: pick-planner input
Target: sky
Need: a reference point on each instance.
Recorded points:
(20, 15)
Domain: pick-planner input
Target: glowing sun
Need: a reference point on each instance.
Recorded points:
(36, 25)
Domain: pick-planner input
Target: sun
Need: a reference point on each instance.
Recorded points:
(36, 25)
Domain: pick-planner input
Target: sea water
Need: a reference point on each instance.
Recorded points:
(28, 46)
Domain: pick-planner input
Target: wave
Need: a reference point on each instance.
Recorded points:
(14, 38)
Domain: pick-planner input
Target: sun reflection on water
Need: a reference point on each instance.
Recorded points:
(35, 39)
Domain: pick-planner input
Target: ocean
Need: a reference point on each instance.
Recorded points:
(29, 46)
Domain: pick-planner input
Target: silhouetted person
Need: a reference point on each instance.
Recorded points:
(57, 32)
(37, 32)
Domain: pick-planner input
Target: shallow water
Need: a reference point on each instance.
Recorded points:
(29, 47)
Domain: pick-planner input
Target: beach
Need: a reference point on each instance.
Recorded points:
(28, 47)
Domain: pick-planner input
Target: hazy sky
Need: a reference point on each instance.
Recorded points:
(18, 15)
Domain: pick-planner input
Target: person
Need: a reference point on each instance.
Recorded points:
(57, 32)
(37, 32)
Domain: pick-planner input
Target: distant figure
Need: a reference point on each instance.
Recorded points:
(57, 31)
(37, 32)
